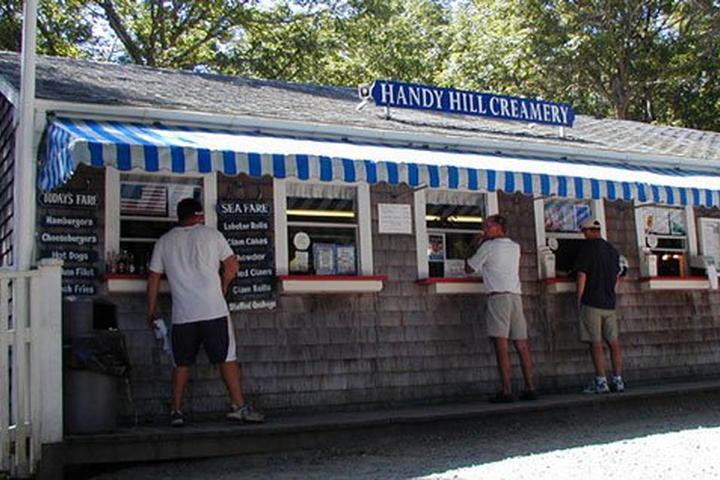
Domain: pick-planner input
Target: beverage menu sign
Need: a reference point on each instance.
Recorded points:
(69, 232)
(247, 225)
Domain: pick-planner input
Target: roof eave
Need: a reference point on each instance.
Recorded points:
(274, 126)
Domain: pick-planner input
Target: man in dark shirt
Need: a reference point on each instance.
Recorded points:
(598, 267)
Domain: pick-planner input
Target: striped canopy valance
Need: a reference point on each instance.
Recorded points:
(128, 146)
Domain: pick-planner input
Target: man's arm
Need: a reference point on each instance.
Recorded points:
(230, 269)
(476, 261)
(581, 281)
(153, 285)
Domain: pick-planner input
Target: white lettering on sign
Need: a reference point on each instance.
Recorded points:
(48, 237)
(70, 199)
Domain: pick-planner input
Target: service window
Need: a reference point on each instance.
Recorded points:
(453, 232)
(147, 210)
(323, 225)
(562, 219)
(663, 240)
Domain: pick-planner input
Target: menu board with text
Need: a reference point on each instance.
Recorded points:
(247, 226)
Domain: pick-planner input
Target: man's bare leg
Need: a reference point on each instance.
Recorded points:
(526, 363)
(231, 375)
(180, 378)
(503, 363)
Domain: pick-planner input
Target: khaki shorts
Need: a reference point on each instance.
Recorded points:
(597, 324)
(505, 318)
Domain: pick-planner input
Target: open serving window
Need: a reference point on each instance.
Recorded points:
(667, 241)
(140, 208)
(559, 237)
(449, 225)
(323, 241)
(147, 211)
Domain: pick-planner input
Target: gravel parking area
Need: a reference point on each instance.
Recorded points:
(672, 438)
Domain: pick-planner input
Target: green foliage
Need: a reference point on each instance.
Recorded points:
(647, 60)
(62, 28)
(343, 43)
(183, 34)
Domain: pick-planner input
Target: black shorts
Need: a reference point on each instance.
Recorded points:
(216, 336)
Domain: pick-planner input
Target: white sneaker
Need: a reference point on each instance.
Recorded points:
(617, 385)
(600, 385)
(246, 413)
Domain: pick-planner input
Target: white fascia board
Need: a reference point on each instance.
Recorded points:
(308, 130)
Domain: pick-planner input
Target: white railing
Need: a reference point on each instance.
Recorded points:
(30, 365)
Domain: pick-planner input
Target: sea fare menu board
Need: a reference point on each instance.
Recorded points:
(247, 226)
(68, 221)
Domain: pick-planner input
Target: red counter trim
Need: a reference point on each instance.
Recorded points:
(434, 280)
(325, 278)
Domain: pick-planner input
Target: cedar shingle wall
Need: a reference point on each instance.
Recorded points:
(405, 345)
(7, 163)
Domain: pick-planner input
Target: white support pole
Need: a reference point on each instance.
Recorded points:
(46, 354)
(24, 183)
(365, 229)
(421, 235)
(281, 233)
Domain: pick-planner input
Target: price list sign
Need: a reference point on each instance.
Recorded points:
(69, 232)
(247, 226)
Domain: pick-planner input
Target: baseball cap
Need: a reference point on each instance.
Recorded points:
(590, 224)
(188, 207)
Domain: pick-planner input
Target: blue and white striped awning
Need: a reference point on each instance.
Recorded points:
(154, 148)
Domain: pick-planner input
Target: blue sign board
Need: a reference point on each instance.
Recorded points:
(449, 100)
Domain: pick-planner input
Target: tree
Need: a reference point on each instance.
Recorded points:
(62, 26)
(343, 43)
(601, 55)
(182, 34)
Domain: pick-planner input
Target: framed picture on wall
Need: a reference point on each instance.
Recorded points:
(436, 247)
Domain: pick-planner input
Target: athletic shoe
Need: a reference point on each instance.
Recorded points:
(617, 385)
(176, 419)
(600, 385)
(246, 413)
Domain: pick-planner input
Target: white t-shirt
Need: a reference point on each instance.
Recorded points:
(191, 257)
(498, 261)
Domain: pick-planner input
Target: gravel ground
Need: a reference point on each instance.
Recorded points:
(674, 438)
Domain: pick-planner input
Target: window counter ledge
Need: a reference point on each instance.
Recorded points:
(560, 285)
(675, 283)
(130, 283)
(453, 285)
(296, 284)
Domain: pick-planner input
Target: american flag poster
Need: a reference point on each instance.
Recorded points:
(143, 199)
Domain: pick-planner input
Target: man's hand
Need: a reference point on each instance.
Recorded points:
(151, 317)
(468, 268)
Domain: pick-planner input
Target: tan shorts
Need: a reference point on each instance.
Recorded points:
(597, 324)
(505, 318)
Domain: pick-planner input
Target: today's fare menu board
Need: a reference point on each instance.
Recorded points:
(246, 225)
(68, 231)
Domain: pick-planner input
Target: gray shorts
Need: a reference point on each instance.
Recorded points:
(505, 317)
(597, 324)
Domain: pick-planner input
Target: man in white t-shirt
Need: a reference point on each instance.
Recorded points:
(497, 259)
(191, 256)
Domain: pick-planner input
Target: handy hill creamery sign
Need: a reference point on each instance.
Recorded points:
(449, 100)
